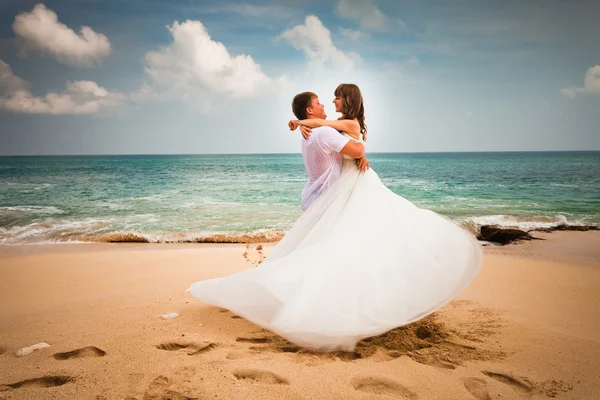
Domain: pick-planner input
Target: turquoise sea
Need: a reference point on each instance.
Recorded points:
(195, 197)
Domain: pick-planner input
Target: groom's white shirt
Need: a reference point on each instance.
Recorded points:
(323, 161)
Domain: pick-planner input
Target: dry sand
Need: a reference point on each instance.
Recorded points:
(528, 327)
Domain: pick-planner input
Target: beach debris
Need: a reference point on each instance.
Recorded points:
(259, 247)
(171, 315)
(30, 349)
(496, 234)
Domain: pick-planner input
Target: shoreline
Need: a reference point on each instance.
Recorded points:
(495, 233)
(534, 248)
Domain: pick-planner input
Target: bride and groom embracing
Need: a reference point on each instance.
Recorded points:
(361, 260)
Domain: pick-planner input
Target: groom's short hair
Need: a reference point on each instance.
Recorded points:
(301, 102)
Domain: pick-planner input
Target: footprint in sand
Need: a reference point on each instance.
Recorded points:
(254, 256)
(2, 350)
(516, 384)
(89, 351)
(278, 345)
(446, 354)
(382, 386)
(260, 376)
(162, 388)
(431, 359)
(43, 382)
(254, 339)
(477, 387)
(436, 356)
(190, 348)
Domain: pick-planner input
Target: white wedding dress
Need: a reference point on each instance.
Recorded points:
(360, 261)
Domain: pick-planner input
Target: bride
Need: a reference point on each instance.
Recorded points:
(360, 261)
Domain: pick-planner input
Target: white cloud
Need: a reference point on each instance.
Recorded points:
(591, 84)
(366, 13)
(193, 68)
(196, 68)
(145, 93)
(80, 97)
(314, 39)
(9, 83)
(352, 34)
(40, 30)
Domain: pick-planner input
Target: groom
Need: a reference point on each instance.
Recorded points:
(323, 148)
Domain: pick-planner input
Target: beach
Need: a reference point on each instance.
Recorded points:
(527, 327)
(155, 162)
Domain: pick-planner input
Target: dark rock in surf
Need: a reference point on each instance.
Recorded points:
(579, 228)
(502, 235)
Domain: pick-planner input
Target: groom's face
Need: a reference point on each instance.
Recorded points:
(316, 109)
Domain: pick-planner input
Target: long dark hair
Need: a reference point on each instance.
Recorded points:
(352, 105)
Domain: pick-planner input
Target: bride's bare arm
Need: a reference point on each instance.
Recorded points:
(362, 164)
(349, 126)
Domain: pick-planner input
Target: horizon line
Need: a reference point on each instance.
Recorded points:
(298, 153)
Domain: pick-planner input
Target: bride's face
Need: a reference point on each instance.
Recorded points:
(337, 101)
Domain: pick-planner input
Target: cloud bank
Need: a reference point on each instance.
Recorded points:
(194, 67)
(80, 97)
(40, 30)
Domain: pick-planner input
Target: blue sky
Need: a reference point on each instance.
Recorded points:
(153, 77)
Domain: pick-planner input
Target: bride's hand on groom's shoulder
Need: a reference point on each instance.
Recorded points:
(305, 131)
(362, 164)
